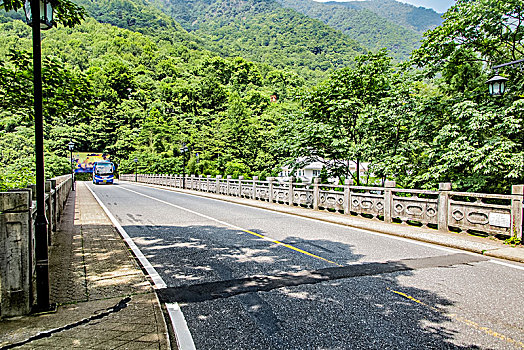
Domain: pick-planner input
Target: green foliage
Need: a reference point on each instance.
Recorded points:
(419, 19)
(331, 126)
(263, 31)
(491, 29)
(67, 13)
(372, 27)
(144, 93)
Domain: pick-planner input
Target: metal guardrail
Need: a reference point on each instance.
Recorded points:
(493, 214)
(17, 242)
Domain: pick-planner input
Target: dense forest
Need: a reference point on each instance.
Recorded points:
(136, 90)
(375, 24)
(258, 30)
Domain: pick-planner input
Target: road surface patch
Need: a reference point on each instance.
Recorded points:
(225, 289)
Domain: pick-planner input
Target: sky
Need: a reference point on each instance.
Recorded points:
(438, 5)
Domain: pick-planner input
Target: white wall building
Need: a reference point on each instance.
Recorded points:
(312, 170)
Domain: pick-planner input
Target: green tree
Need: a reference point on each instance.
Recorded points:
(331, 128)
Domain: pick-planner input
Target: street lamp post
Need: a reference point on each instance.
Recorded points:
(497, 84)
(136, 168)
(71, 147)
(197, 161)
(39, 14)
(184, 150)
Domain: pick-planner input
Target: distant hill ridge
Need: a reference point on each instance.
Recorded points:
(309, 37)
(373, 23)
(416, 18)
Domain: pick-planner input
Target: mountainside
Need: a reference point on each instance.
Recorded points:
(264, 31)
(137, 15)
(363, 25)
(419, 19)
(258, 30)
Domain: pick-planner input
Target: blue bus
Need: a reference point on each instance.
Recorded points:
(103, 172)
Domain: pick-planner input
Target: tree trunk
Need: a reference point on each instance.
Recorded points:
(358, 172)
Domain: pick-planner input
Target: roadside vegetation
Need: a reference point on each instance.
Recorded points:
(141, 94)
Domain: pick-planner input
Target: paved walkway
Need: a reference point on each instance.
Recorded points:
(488, 246)
(105, 301)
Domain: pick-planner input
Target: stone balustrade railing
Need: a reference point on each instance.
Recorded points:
(444, 209)
(17, 242)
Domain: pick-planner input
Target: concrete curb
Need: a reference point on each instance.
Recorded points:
(460, 241)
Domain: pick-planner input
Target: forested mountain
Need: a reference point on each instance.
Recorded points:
(258, 30)
(129, 94)
(371, 29)
(142, 92)
(419, 19)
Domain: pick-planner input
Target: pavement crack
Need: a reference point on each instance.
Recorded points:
(122, 304)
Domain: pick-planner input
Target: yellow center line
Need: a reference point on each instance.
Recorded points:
(470, 323)
(235, 227)
(291, 247)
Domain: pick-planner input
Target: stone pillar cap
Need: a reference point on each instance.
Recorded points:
(390, 184)
(517, 189)
(444, 186)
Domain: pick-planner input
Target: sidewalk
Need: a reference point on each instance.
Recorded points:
(105, 301)
(487, 246)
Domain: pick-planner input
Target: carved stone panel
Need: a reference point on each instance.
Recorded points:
(331, 200)
(489, 218)
(303, 197)
(367, 203)
(280, 195)
(423, 210)
(263, 193)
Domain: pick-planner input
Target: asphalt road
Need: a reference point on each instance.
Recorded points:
(247, 278)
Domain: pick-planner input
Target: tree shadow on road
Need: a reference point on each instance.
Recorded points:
(240, 291)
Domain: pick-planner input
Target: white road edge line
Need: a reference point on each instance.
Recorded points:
(178, 321)
(267, 238)
(407, 240)
(183, 336)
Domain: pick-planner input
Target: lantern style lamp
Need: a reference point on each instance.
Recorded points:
(184, 150)
(136, 168)
(71, 147)
(497, 85)
(46, 14)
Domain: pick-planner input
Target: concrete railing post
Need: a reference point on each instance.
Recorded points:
(290, 191)
(388, 200)
(443, 205)
(217, 189)
(49, 210)
(192, 182)
(271, 195)
(16, 261)
(255, 179)
(240, 179)
(54, 205)
(347, 196)
(228, 185)
(316, 193)
(517, 215)
(208, 183)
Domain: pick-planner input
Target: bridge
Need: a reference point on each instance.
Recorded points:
(249, 264)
